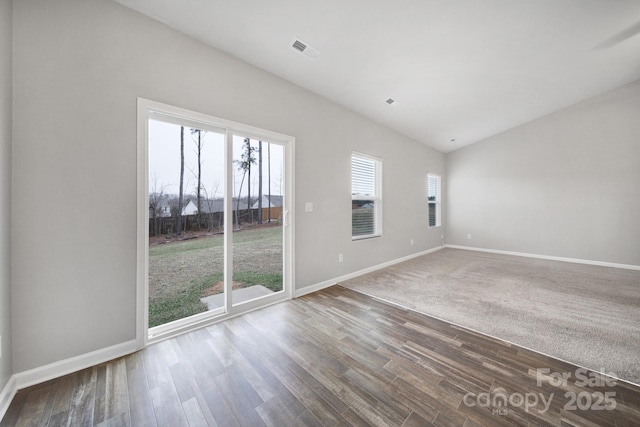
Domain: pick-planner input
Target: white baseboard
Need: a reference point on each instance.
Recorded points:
(6, 395)
(318, 286)
(73, 364)
(551, 258)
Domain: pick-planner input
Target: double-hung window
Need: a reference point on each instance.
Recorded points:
(434, 200)
(366, 196)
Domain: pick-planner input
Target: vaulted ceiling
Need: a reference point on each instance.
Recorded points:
(458, 70)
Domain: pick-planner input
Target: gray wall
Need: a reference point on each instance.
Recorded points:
(566, 185)
(5, 189)
(79, 67)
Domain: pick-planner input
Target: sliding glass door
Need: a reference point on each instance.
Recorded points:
(217, 238)
(186, 201)
(258, 236)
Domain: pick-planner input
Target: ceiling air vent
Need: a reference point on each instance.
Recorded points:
(299, 45)
(305, 48)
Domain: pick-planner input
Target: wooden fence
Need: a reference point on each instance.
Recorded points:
(209, 221)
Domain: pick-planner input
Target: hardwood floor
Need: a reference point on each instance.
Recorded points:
(335, 357)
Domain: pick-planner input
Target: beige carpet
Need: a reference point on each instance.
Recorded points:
(584, 314)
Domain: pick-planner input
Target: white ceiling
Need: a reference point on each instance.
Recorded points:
(463, 69)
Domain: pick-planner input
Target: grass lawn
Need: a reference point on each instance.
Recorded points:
(180, 273)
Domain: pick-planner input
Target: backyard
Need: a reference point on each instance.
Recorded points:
(184, 271)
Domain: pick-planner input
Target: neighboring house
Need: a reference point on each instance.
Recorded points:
(162, 210)
(190, 209)
(276, 201)
(212, 206)
(208, 206)
(240, 206)
(270, 211)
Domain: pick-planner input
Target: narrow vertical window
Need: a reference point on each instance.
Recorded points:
(366, 197)
(434, 200)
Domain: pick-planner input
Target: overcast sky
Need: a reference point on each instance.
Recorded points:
(164, 162)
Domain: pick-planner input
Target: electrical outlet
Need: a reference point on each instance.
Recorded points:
(411, 242)
(340, 258)
(469, 236)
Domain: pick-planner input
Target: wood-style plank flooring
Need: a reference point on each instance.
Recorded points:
(335, 357)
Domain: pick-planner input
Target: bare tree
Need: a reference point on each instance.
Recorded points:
(210, 200)
(259, 182)
(269, 178)
(156, 196)
(244, 174)
(200, 135)
(251, 160)
(180, 195)
(244, 164)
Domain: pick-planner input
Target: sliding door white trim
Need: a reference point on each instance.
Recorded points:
(148, 109)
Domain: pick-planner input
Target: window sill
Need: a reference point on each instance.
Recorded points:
(371, 236)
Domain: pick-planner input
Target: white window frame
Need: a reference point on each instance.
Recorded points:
(148, 109)
(437, 202)
(377, 197)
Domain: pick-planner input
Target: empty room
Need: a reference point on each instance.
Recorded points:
(320, 213)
